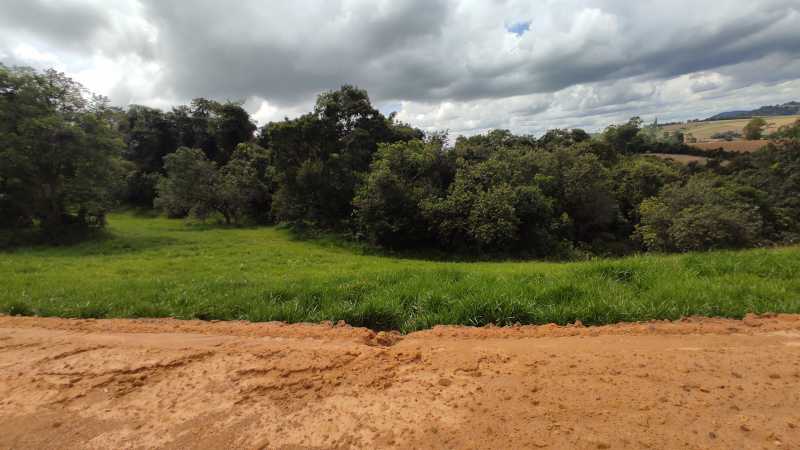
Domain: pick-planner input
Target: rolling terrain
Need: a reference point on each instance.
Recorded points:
(703, 131)
(786, 109)
(157, 267)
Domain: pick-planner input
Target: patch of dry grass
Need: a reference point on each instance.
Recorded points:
(732, 146)
(704, 130)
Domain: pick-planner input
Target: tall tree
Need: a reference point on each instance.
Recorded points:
(625, 138)
(59, 155)
(321, 156)
(402, 177)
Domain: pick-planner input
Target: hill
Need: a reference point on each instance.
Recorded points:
(786, 109)
(704, 130)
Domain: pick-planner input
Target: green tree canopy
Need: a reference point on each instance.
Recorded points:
(59, 155)
(321, 157)
(706, 212)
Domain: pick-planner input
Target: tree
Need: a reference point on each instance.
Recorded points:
(232, 126)
(59, 155)
(707, 212)
(754, 129)
(216, 128)
(251, 165)
(189, 184)
(563, 138)
(495, 205)
(150, 135)
(625, 138)
(482, 146)
(235, 188)
(583, 189)
(321, 157)
(194, 185)
(638, 178)
(388, 206)
(774, 170)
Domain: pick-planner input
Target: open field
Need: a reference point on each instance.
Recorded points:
(156, 267)
(740, 146)
(701, 383)
(683, 159)
(704, 130)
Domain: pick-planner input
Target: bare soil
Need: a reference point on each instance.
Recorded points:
(697, 383)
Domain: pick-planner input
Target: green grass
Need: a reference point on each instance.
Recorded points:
(156, 267)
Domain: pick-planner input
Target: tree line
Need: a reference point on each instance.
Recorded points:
(66, 158)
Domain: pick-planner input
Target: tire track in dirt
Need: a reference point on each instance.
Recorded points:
(697, 383)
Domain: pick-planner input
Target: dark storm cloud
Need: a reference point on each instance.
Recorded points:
(74, 27)
(67, 23)
(741, 40)
(255, 49)
(440, 58)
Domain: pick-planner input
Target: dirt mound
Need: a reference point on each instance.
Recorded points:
(697, 383)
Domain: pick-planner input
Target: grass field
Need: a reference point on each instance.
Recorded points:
(740, 146)
(704, 130)
(156, 267)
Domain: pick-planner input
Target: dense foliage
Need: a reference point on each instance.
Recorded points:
(59, 154)
(345, 167)
(150, 134)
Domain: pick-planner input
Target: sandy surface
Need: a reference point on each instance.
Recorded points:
(699, 383)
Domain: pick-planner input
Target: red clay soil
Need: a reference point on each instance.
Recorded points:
(697, 383)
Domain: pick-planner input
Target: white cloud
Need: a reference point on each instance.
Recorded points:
(444, 64)
(264, 112)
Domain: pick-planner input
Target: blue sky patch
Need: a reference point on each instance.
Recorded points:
(519, 28)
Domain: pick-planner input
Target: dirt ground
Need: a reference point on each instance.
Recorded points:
(698, 383)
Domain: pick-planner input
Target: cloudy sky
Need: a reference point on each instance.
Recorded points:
(466, 66)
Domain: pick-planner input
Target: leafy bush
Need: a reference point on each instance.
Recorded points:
(754, 129)
(59, 154)
(704, 213)
(388, 206)
(727, 135)
(791, 131)
(194, 185)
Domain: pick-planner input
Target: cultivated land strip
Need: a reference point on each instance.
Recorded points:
(697, 383)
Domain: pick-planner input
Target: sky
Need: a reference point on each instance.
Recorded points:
(465, 66)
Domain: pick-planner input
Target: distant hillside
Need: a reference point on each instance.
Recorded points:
(705, 130)
(786, 109)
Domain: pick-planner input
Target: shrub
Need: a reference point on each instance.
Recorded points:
(388, 206)
(754, 129)
(726, 135)
(705, 213)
